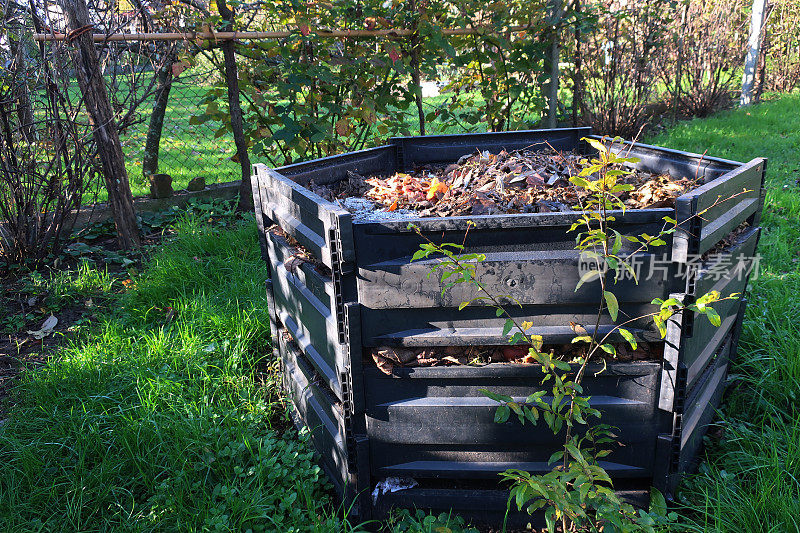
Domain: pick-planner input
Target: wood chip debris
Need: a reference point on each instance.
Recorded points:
(387, 358)
(483, 183)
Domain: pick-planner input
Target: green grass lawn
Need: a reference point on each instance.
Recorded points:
(750, 481)
(163, 416)
(163, 411)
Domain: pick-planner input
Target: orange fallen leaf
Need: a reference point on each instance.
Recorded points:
(436, 186)
(393, 206)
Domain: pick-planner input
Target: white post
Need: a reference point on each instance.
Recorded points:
(753, 49)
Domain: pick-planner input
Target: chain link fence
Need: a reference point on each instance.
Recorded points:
(187, 149)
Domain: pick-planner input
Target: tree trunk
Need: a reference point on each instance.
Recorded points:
(753, 51)
(577, 76)
(679, 67)
(551, 63)
(762, 67)
(415, 76)
(19, 67)
(101, 115)
(237, 120)
(156, 124)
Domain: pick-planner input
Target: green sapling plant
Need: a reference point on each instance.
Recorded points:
(577, 494)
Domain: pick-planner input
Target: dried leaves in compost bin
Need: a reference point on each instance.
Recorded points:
(482, 183)
(300, 254)
(387, 358)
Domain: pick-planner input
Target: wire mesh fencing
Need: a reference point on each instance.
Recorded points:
(188, 149)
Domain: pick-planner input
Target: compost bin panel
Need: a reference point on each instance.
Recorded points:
(480, 326)
(315, 223)
(378, 160)
(678, 164)
(530, 261)
(319, 411)
(431, 419)
(449, 148)
(529, 232)
(522, 277)
(302, 301)
(710, 212)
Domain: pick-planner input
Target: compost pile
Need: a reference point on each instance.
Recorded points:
(482, 183)
(387, 358)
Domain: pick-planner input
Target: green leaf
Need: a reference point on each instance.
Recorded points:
(507, 326)
(494, 396)
(561, 365)
(502, 414)
(658, 505)
(580, 182)
(628, 336)
(557, 456)
(588, 276)
(617, 242)
(419, 254)
(597, 145)
(535, 397)
(608, 348)
(662, 328)
(612, 303)
(713, 317)
(710, 296)
(575, 453)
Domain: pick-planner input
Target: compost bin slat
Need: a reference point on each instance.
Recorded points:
(459, 421)
(479, 325)
(490, 233)
(660, 160)
(317, 411)
(448, 148)
(333, 168)
(491, 469)
(534, 277)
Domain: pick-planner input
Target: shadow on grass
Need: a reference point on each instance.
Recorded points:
(165, 415)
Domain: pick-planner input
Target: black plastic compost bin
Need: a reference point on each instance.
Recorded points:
(432, 424)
